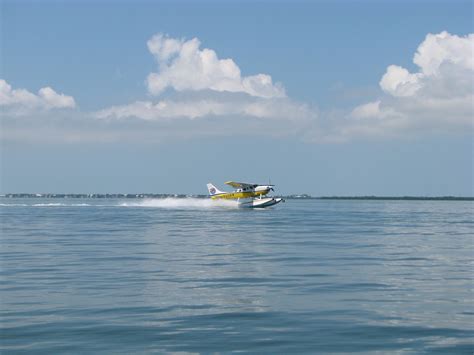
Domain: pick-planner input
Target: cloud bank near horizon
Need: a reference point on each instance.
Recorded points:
(208, 96)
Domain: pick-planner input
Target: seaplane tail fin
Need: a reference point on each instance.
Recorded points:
(213, 190)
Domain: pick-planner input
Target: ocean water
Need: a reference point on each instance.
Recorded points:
(307, 276)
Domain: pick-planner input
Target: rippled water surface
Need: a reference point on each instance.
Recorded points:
(121, 276)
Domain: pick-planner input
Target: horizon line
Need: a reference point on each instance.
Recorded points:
(181, 195)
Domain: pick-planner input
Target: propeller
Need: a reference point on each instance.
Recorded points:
(270, 184)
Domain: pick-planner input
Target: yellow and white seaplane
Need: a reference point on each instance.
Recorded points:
(247, 195)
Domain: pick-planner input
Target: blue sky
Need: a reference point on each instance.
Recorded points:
(332, 126)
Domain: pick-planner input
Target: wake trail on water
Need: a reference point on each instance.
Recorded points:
(182, 203)
(170, 203)
(45, 205)
(61, 205)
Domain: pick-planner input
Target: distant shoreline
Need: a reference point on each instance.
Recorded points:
(404, 198)
(290, 197)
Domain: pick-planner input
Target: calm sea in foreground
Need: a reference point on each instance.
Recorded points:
(307, 276)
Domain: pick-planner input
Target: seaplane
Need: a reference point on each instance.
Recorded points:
(247, 195)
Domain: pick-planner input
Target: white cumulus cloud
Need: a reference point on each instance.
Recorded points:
(440, 57)
(398, 81)
(21, 101)
(437, 98)
(184, 66)
(51, 99)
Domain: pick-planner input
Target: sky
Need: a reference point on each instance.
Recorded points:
(321, 97)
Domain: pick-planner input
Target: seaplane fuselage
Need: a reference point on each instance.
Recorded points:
(246, 192)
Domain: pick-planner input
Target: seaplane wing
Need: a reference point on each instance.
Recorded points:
(240, 185)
